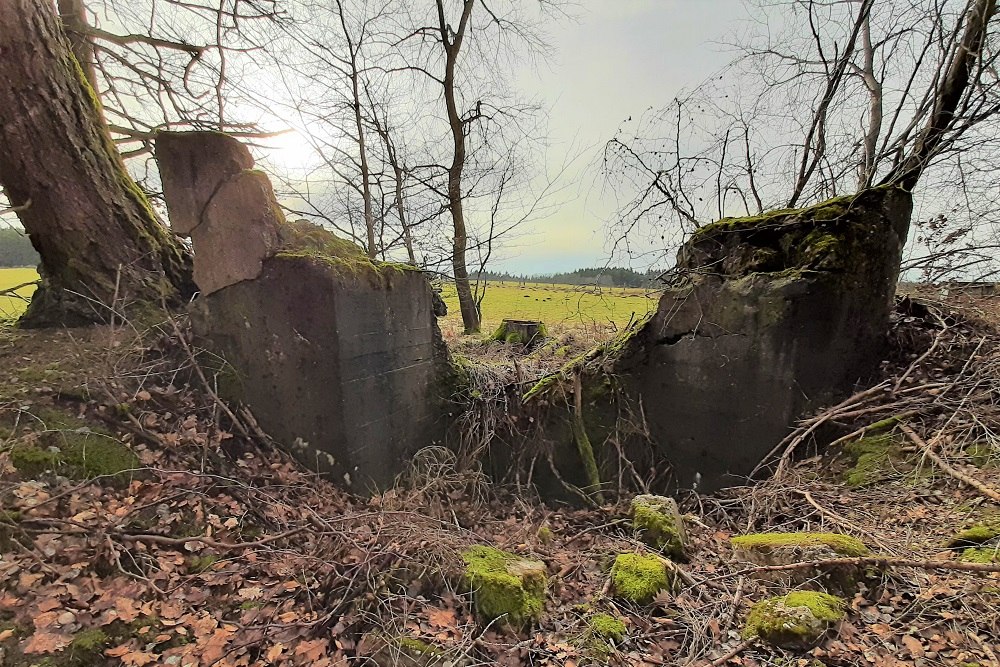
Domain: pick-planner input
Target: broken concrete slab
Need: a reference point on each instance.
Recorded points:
(769, 317)
(339, 357)
(192, 167)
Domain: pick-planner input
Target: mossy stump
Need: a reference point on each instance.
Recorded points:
(785, 548)
(505, 586)
(658, 523)
(637, 578)
(797, 620)
(520, 332)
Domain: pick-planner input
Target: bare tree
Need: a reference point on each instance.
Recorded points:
(829, 97)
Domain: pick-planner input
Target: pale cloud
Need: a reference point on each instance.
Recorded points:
(620, 58)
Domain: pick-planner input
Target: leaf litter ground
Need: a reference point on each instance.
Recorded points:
(217, 549)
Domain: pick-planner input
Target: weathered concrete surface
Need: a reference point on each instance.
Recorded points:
(339, 358)
(192, 167)
(772, 316)
(214, 197)
(342, 366)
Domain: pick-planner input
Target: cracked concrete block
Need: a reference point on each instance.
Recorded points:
(769, 317)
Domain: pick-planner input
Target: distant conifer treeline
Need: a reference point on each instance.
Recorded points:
(603, 276)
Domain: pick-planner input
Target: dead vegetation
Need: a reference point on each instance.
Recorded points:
(216, 549)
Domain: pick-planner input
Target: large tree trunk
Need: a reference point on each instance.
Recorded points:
(73, 15)
(102, 247)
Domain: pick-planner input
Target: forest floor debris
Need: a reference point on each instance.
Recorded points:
(218, 550)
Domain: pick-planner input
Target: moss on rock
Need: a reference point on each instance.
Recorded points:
(639, 578)
(784, 548)
(659, 524)
(982, 454)
(71, 447)
(976, 535)
(798, 619)
(607, 627)
(871, 456)
(504, 585)
(986, 555)
(843, 545)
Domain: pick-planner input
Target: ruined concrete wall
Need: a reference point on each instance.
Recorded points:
(339, 357)
(770, 317)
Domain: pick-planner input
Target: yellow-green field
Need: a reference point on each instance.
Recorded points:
(560, 307)
(11, 306)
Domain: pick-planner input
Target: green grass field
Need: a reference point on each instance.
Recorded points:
(558, 306)
(12, 306)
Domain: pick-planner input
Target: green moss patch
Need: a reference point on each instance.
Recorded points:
(843, 545)
(987, 555)
(872, 458)
(607, 627)
(659, 524)
(981, 454)
(504, 585)
(302, 239)
(976, 535)
(800, 618)
(639, 578)
(68, 446)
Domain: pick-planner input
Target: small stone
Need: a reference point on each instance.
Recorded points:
(797, 620)
(639, 578)
(659, 524)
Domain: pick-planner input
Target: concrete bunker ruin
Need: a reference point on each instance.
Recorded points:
(338, 356)
(768, 317)
(341, 360)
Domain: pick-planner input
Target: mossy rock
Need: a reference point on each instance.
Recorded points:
(658, 522)
(70, 447)
(773, 543)
(402, 651)
(982, 454)
(984, 555)
(504, 585)
(797, 620)
(976, 535)
(785, 548)
(872, 458)
(638, 578)
(607, 627)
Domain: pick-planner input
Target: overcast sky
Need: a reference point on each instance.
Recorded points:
(619, 58)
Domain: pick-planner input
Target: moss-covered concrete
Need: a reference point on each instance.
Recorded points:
(505, 586)
(638, 578)
(843, 545)
(797, 619)
(659, 524)
(302, 239)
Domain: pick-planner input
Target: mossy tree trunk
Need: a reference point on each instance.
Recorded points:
(101, 245)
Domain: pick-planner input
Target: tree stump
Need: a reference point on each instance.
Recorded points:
(521, 332)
